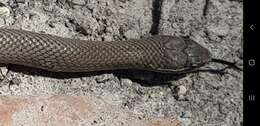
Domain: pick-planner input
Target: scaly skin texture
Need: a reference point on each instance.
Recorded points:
(53, 53)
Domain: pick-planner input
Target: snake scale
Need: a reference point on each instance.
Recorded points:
(52, 53)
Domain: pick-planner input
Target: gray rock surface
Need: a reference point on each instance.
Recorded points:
(210, 99)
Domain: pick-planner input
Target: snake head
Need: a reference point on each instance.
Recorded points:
(184, 55)
(197, 55)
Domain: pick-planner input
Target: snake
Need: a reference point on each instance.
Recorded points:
(158, 53)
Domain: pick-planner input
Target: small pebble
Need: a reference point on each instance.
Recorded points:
(161, 93)
(181, 90)
(4, 11)
(3, 71)
(126, 82)
(132, 34)
(104, 78)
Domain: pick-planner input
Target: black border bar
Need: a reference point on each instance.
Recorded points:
(251, 61)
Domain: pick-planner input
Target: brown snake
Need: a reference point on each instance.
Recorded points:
(53, 53)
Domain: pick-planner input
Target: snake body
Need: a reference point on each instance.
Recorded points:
(53, 53)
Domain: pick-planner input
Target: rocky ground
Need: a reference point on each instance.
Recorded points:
(203, 98)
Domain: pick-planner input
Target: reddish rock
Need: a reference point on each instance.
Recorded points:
(69, 111)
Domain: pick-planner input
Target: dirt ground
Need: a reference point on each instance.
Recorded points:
(202, 98)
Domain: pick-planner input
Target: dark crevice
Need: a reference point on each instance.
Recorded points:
(156, 16)
(78, 27)
(205, 9)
